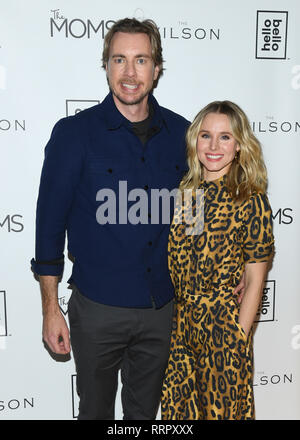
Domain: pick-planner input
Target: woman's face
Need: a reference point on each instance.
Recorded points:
(216, 146)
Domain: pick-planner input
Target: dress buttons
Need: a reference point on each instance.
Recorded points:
(143, 159)
(150, 243)
(146, 187)
(148, 269)
(109, 170)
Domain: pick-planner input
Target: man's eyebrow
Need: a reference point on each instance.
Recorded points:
(141, 55)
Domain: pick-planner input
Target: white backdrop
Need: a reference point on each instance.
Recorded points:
(50, 58)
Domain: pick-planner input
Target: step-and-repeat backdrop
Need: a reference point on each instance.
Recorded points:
(50, 67)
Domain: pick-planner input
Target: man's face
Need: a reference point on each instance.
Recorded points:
(130, 68)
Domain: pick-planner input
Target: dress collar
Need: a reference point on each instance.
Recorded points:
(217, 182)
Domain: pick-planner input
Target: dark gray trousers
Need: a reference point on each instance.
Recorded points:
(106, 339)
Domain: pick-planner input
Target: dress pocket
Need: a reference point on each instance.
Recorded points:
(234, 310)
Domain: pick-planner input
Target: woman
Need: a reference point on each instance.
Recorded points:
(209, 374)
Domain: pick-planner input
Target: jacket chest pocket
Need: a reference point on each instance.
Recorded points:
(107, 172)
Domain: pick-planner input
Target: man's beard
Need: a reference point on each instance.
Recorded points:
(138, 100)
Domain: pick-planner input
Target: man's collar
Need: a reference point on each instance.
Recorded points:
(114, 118)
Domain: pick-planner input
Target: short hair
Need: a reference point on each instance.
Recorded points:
(134, 26)
(247, 174)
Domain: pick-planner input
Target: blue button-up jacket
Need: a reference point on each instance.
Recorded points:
(94, 170)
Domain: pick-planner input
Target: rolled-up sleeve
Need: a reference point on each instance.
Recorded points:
(62, 168)
(258, 240)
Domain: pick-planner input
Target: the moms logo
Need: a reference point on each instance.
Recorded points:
(271, 34)
(10, 224)
(77, 27)
(283, 215)
(87, 28)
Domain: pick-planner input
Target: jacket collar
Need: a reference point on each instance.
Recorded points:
(114, 119)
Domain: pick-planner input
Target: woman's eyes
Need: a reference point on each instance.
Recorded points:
(224, 137)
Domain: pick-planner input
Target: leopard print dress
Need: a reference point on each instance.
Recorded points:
(210, 368)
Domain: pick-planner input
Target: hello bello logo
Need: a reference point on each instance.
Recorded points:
(271, 34)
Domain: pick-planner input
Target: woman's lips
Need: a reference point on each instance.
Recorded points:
(214, 157)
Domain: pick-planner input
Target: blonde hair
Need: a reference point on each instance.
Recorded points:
(247, 173)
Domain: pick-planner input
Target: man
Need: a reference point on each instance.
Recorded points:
(121, 305)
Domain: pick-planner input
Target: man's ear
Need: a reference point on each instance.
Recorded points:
(106, 67)
(156, 73)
